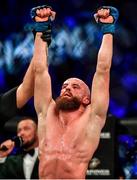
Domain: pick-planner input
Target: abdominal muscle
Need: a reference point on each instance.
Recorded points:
(61, 166)
(61, 160)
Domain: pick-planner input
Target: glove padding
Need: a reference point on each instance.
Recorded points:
(44, 27)
(109, 27)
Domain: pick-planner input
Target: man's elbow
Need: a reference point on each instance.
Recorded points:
(23, 95)
(39, 67)
(103, 67)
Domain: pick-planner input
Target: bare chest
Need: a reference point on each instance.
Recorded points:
(66, 142)
(64, 138)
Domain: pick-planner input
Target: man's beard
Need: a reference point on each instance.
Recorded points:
(67, 104)
(28, 144)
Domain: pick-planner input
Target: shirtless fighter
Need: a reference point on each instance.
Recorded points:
(69, 128)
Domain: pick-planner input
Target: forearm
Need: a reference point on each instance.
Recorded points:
(26, 89)
(105, 54)
(40, 63)
(100, 99)
(42, 77)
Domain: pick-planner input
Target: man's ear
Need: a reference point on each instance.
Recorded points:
(86, 101)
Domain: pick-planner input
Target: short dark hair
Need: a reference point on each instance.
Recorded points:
(22, 118)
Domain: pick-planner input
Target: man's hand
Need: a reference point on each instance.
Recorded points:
(44, 14)
(104, 16)
(107, 16)
(9, 145)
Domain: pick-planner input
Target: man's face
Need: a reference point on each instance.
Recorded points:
(28, 131)
(72, 94)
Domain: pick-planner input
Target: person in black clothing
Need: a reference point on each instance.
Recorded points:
(23, 165)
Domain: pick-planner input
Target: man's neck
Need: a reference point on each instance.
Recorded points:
(68, 117)
(32, 147)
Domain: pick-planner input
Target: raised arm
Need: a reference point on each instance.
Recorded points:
(42, 90)
(106, 16)
(38, 63)
(42, 85)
